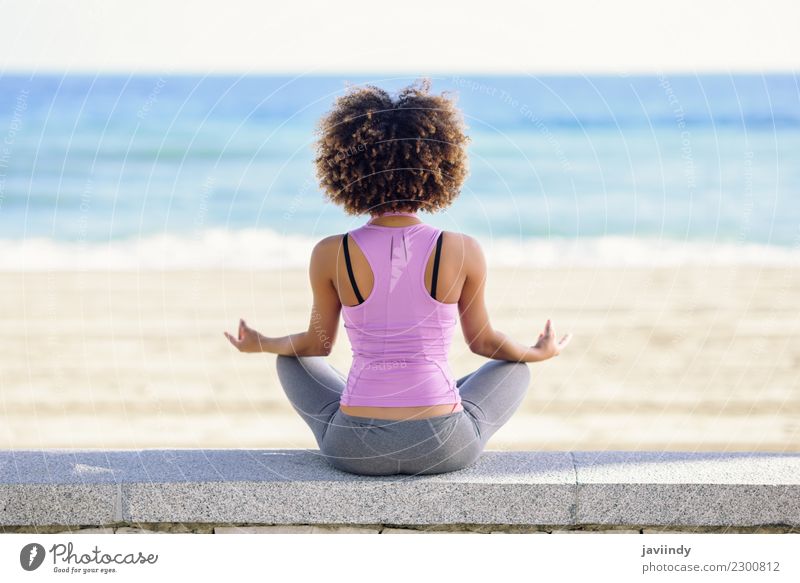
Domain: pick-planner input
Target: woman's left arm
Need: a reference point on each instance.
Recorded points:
(318, 340)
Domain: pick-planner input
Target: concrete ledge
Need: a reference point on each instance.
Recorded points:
(297, 486)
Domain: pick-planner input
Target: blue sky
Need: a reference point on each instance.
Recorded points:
(425, 37)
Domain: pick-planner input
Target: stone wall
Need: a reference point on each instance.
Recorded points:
(165, 528)
(224, 491)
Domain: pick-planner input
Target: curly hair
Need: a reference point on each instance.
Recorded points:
(376, 154)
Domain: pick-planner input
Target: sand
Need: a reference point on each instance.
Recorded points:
(678, 358)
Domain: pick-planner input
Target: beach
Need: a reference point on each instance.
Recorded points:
(675, 358)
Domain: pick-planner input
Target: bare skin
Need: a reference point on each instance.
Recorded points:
(461, 280)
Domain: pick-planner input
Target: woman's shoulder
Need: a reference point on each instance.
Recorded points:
(464, 251)
(458, 240)
(328, 245)
(324, 256)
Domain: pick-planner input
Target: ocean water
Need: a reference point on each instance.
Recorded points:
(183, 171)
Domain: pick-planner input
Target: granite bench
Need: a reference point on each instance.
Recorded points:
(612, 489)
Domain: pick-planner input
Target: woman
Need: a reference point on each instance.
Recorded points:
(401, 286)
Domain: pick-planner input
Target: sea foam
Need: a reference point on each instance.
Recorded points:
(266, 249)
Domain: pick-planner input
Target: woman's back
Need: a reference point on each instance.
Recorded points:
(399, 330)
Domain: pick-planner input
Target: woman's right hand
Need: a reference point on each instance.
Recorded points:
(249, 340)
(547, 347)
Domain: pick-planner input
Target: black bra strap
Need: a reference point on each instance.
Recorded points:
(436, 265)
(350, 269)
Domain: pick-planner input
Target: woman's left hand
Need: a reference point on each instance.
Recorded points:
(249, 340)
(547, 345)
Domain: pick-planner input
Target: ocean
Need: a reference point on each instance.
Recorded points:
(120, 171)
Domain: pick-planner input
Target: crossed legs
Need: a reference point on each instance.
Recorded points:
(490, 395)
(313, 387)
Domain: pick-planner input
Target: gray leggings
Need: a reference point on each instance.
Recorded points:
(377, 447)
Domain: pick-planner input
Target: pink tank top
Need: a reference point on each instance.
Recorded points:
(400, 335)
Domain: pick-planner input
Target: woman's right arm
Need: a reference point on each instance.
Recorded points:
(478, 332)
